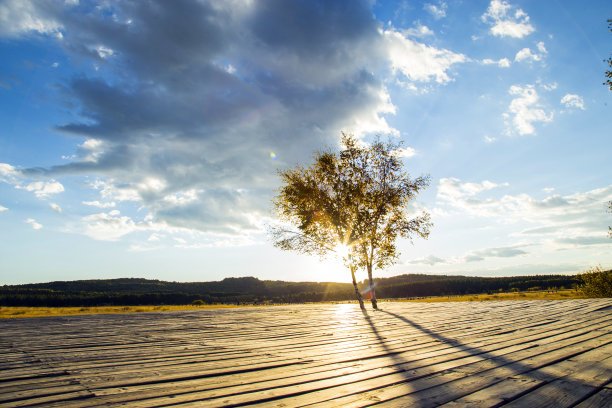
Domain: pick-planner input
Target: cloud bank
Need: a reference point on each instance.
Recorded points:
(182, 106)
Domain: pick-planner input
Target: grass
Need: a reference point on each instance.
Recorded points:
(12, 312)
(527, 295)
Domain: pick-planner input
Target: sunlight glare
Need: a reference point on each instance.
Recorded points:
(342, 251)
(343, 316)
(333, 270)
(342, 309)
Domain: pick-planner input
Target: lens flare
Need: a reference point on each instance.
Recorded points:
(273, 155)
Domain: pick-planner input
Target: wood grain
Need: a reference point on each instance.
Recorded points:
(463, 354)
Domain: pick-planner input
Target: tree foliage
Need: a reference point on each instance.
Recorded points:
(608, 73)
(596, 282)
(610, 228)
(354, 203)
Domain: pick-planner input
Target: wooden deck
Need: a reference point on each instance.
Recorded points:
(470, 354)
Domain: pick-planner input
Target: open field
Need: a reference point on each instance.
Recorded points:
(8, 312)
(503, 353)
(527, 295)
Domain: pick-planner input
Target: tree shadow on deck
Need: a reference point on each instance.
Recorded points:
(514, 365)
(398, 361)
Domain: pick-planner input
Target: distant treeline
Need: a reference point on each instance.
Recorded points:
(249, 290)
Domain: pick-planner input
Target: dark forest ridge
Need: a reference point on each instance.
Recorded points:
(135, 291)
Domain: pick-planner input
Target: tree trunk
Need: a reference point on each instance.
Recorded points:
(372, 291)
(357, 293)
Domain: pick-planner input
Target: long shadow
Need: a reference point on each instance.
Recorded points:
(515, 365)
(394, 355)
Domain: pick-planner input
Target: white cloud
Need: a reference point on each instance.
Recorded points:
(582, 241)
(43, 189)
(526, 55)
(453, 189)
(18, 17)
(571, 216)
(219, 241)
(420, 62)
(438, 11)
(418, 31)
(104, 52)
(510, 251)
(573, 101)
(548, 87)
(185, 132)
(525, 109)
(542, 47)
(502, 63)
(33, 223)
(500, 252)
(91, 150)
(108, 226)
(203, 113)
(55, 208)
(8, 173)
(2, 208)
(406, 152)
(504, 23)
(430, 260)
(98, 204)
(554, 227)
(113, 190)
(370, 121)
(183, 198)
(155, 237)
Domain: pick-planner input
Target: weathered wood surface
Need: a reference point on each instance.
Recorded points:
(470, 354)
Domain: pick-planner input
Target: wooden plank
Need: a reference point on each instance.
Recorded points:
(44, 394)
(375, 376)
(363, 369)
(404, 390)
(569, 389)
(299, 355)
(516, 386)
(344, 347)
(602, 398)
(420, 356)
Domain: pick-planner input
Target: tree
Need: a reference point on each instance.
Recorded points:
(353, 203)
(608, 73)
(610, 228)
(596, 282)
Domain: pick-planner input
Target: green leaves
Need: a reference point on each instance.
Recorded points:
(608, 74)
(596, 282)
(357, 198)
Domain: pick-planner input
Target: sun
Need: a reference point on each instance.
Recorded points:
(333, 270)
(342, 251)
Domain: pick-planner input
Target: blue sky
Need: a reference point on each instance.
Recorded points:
(141, 139)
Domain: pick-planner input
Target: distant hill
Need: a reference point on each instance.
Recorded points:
(428, 285)
(137, 291)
